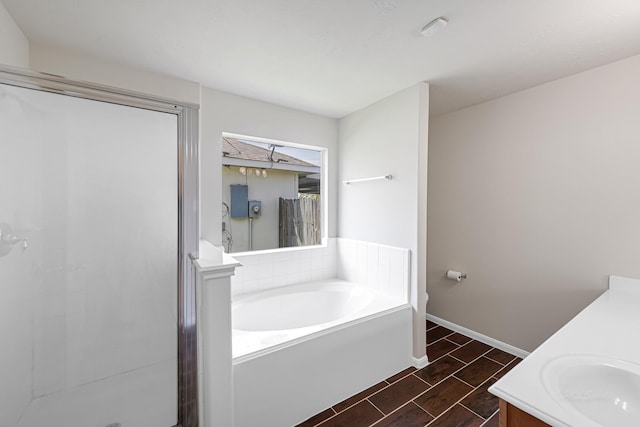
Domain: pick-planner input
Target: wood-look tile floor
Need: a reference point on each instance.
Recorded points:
(450, 392)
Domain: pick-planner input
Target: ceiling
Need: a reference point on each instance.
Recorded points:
(333, 57)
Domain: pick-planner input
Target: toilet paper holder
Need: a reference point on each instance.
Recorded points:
(456, 275)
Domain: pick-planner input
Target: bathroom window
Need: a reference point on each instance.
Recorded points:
(272, 194)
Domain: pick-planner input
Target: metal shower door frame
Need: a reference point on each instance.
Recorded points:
(188, 222)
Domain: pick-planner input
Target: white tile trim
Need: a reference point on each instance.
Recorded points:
(479, 337)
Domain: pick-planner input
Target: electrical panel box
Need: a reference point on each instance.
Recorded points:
(239, 201)
(255, 208)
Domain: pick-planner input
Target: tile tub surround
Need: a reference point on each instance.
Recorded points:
(265, 270)
(451, 391)
(380, 267)
(602, 329)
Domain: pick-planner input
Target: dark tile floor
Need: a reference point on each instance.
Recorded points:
(450, 392)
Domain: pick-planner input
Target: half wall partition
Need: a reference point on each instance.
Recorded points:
(98, 222)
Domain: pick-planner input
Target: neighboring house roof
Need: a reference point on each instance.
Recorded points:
(236, 149)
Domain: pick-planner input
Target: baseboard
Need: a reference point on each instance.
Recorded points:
(479, 337)
(421, 362)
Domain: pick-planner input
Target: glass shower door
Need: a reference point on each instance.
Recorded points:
(88, 262)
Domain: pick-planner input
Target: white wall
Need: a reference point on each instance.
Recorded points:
(389, 137)
(83, 67)
(14, 46)
(265, 233)
(223, 112)
(220, 112)
(535, 196)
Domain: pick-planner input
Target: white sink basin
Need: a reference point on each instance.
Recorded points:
(603, 391)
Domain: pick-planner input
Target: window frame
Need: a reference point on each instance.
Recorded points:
(324, 189)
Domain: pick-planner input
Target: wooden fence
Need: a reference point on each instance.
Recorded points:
(299, 222)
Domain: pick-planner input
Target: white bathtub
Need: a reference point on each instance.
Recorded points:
(263, 320)
(300, 349)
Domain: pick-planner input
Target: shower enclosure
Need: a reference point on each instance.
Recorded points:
(98, 220)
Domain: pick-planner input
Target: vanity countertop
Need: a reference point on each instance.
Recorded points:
(605, 329)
